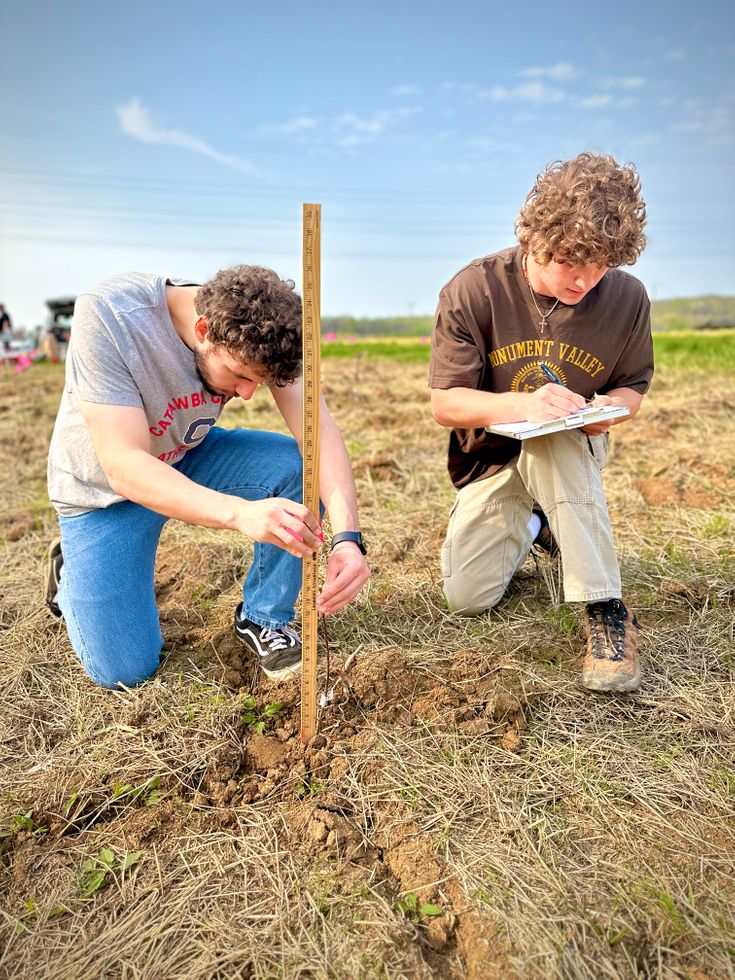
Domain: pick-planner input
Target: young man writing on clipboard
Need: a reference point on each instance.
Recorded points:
(557, 299)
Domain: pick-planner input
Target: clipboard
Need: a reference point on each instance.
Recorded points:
(585, 416)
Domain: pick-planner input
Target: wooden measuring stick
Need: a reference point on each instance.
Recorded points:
(311, 241)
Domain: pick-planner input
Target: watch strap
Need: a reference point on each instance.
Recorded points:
(354, 536)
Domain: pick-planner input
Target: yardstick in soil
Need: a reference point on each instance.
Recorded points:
(311, 245)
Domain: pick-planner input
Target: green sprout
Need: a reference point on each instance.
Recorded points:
(255, 718)
(415, 912)
(94, 872)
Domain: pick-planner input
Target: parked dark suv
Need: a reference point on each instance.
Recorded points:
(58, 327)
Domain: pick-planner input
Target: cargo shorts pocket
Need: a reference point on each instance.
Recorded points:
(599, 448)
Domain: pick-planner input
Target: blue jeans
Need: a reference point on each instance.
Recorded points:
(106, 592)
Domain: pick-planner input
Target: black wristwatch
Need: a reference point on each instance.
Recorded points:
(353, 536)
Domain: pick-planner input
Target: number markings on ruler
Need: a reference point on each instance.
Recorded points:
(311, 327)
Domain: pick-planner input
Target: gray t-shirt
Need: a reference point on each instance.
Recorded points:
(124, 350)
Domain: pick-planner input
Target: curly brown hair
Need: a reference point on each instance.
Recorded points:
(256, 317)
(582, 211)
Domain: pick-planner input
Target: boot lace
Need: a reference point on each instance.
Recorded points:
(607, 628)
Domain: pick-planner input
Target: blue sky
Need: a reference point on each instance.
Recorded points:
(179, 139)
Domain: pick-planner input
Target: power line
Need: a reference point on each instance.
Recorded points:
(401, 255)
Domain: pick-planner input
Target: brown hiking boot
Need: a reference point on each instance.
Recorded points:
(611, 661)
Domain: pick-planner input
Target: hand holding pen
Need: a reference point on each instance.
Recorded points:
(552, 401)
(553, 376)
(595, 428)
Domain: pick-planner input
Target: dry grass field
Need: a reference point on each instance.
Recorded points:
(470, 811)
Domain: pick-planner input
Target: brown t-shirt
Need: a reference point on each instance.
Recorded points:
(487, 336)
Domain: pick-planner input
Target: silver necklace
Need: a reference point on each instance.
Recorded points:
(544, 321)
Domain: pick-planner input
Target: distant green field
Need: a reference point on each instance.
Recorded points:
(711, 351)
(705, 350)
(405, 349)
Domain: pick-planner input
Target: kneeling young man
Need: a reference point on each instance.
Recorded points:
(151, 364)
(559, 299)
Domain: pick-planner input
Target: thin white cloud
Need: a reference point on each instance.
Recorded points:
(625, 82)
(537, 93)
(713, 121)
(405, 91)
(369, 126)
(595, 101)
(135, 121)
(465, 87)
(607, 100)
(354, 130)
(560, 72)
(298, 126)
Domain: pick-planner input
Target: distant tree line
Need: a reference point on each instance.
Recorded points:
(389, 326)
(692, 313)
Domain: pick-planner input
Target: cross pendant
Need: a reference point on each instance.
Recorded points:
(543, 324)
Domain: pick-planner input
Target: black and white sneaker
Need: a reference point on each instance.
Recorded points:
(278, 650)
(53, 580)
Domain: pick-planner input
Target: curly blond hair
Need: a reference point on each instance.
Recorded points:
(582, 211)
(256, 316)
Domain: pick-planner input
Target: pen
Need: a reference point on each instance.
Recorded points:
(553, 376)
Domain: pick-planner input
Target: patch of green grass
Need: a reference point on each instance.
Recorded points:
(715, 527)
(563, 619)
(711, 351)
(704, 351)
(408, 352)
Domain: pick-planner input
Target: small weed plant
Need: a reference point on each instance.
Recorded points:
(95, 872)
(413, 911)
(256, 718)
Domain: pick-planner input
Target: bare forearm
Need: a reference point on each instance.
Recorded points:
(467, 408)
(336, 483)
(145, 480)
(626, 398)
(121, 440)
(621, 397)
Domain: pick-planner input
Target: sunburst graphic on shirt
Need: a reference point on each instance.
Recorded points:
(531, 377)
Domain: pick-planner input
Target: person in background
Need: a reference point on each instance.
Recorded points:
(558, 299)
(6, 330)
